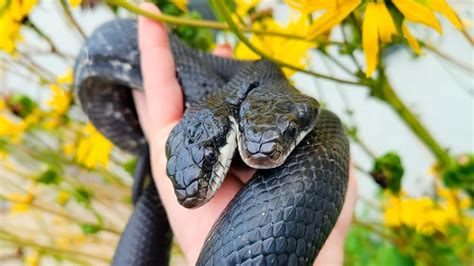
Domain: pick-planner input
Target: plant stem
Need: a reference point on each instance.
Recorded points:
(64, 215)
(384, 91)
(45, 37)
(202, 23)
(233, 26)
(67, 12)
(466, 67)
(7, 236)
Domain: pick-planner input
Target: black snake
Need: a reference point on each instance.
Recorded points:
(283, 215)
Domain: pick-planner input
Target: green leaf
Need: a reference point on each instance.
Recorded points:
(168, 7)
(199, 38)
(3, 143)
(21, 104)
(388, 171)
(48, 177)
(390, 255)
(130, 166)
(83, 195)
(90, 229)
(461, 174)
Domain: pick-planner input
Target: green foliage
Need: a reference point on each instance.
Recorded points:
(130, 166)
(168, 7)
(388, 171)
(21, 104)
(461, 174)
(362, 248)
(195, 37)
(50, 176)
(438, 249)
(90, 229)
(3, 143)
(83, 195)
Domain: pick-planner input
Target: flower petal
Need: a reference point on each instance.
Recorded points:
(332, 17)
(410, 38)
(418, 13)
(385, 24)
(443, 7)
(309, 6)
(370, 39)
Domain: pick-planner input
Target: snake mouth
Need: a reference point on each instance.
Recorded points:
(193, 202)
(203, 188)
(266, 158)
(262, 160)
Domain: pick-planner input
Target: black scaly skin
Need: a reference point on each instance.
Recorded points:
(195, 164)
(110, 61)
(106, 68)
(284, 215)
(273, 118)
(318, 167)
(147, 237)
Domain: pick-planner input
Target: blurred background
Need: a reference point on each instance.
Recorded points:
(65, 190)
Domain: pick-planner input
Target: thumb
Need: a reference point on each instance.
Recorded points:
(163, 99)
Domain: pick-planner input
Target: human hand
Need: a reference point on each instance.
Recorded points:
(160, 108)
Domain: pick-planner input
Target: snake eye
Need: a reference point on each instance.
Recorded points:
(292, 129)
(210, 154)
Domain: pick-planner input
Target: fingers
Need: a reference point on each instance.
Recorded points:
(158, 70)
(224, 50)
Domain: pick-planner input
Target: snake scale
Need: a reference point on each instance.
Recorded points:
(284, 214)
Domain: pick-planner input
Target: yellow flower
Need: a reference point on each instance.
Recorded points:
(75, 3)
(243, 6)
(378, 24)
(20, 202)
(32, 259)
(290, 51)
(15, 129)
(2, 104)
(309, 6)
(392, 214)
(60, 100)
(8, 127)
(181, 4)
(334, 15)
(62, 197)
(12, 13)
(422, 214)
(415, 46)
(442, 7)
(3, 154)
(62, 242)
(66, 78)
(68, 149)
(93, 149)
(470, 227)
(416, 12)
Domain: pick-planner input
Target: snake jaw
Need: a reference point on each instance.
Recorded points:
(198, 182)
(225, 159)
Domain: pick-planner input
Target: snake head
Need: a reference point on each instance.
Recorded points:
(199, 152)
(272, 123)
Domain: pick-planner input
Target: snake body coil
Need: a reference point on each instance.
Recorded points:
(283, 215)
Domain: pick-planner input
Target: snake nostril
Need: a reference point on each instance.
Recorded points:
(269, 135)
(268, 148)
(253, 147)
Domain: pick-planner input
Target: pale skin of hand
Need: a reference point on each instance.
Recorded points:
(160, 108)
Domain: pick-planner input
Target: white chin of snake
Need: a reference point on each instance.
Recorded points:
(270, 164)
(226, 153)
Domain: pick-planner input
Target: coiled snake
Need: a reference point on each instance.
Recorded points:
(284, 214)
